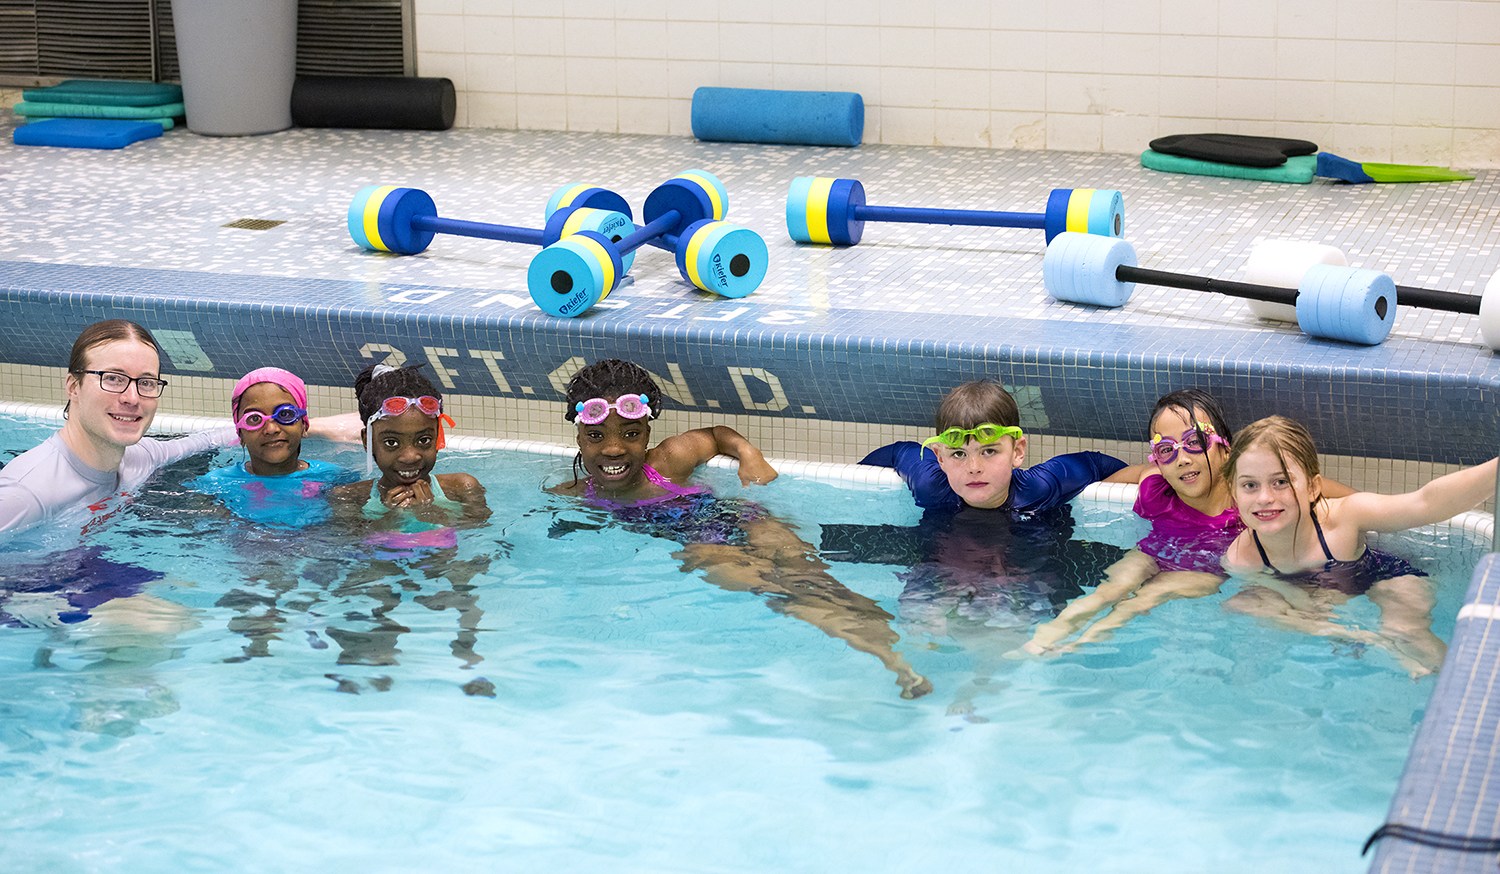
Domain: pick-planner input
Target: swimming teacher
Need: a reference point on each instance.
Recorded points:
(113, 385)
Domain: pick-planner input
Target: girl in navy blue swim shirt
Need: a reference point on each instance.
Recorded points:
(1303, 553)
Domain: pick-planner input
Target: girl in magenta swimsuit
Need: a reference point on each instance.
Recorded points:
(1186, 498)
(737, 545)
(1296, 573)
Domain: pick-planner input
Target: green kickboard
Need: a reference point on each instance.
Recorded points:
(1298, 170)
(106, 92)
(166, 123)
(87, 110)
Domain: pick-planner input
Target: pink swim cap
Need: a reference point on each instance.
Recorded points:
(284, 378)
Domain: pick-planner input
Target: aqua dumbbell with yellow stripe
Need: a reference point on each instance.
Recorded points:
(683, 214)
(833, 212)
(389, 218)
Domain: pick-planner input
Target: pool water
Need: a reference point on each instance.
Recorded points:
(553, 697)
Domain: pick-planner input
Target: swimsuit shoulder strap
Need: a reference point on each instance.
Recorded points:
(657, 479)
(1262, 550)
(1312, 511)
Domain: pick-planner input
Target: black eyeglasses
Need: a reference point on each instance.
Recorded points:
(116, 383)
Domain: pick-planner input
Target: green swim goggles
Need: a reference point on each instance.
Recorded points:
(986, 434)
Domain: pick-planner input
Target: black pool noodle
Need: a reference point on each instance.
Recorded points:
(379, 102)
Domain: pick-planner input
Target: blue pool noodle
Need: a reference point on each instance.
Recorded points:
(799, 118)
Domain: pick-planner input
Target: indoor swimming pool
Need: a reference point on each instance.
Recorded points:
(556, 693)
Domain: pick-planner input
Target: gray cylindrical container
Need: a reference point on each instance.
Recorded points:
(238, 60)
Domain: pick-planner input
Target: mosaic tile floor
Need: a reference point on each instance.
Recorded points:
(163, 204)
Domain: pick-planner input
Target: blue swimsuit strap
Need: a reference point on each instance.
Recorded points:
(1311, 511)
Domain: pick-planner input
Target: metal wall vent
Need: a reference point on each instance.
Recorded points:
(134, 39)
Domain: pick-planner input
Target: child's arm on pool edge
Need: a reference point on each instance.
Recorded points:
(677, 457)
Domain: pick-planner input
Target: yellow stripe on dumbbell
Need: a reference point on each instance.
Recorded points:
(567, 199)
(575, 221)
(691, 258)
(372, 216)
(817, 209)
(1078, 209)
(710, 189)
(606, 264)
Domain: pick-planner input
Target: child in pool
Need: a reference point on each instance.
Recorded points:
(738, 546)
(1184, 493)
(403, 416)
(613, 403)
(275, 484)
(1300, 563)
(410, 516)
(975, 459)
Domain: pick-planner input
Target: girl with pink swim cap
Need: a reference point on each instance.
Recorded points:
(269, 407)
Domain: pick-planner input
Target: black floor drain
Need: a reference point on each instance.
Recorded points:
(254, 224)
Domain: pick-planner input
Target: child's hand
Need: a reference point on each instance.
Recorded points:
(419, 492)
(756, 472)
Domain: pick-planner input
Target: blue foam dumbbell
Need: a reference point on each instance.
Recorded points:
(821, 209)
(1333, 302)
(683, 214)
(389, 218)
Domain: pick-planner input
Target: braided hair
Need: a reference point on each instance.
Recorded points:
(380, 381)
(611, 378)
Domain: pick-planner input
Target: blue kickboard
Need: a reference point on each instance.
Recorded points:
(86, 133)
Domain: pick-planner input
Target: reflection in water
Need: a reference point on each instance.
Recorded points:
(740, 547)
(981, 578)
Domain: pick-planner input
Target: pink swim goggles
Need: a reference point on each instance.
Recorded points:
(1194, 441)
(595, 410)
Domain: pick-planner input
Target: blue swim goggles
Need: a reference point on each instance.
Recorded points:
(985, 434)
(286, 414)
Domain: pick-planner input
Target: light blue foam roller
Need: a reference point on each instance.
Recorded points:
(1080, 268)
(757, 115)
(1345, 303)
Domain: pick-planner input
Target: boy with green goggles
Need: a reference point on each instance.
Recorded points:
(976, 459)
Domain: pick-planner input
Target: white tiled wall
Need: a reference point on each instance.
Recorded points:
(1404, 81)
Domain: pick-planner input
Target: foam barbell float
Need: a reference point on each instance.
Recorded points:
(718, 197)
(574, 273)
(820, 209)
(1332, 301)
(389, 218)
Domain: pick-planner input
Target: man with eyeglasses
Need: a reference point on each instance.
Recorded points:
(113, 387)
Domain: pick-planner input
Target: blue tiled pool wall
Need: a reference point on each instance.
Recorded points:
(1380, 402)
(1447, 788)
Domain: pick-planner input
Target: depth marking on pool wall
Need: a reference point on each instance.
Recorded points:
(674, 311)
(674, 385)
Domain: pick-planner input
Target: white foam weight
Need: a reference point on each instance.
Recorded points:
(1489, 313)
(1343, 303)
(1080, 268)
(1281, 263)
